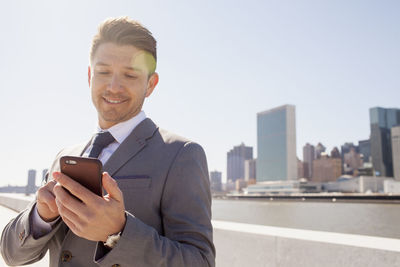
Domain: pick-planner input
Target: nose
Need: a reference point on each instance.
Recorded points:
(115, 84)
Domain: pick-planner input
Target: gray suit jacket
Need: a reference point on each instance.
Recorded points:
(164, 179)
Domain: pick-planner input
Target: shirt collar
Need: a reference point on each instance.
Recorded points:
(121, 130)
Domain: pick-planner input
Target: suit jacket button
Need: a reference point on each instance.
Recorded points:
(66, 256)
(116, 265)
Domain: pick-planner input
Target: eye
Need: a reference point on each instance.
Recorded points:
(103, 72)
(130, 76)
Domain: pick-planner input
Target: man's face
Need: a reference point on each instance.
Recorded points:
(119, 81)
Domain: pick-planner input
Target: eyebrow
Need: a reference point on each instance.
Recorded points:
(102, 64)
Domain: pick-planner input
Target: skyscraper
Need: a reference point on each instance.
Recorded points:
(276, 144)
(335, 153)
(396, 151)
(308, 157)
(216, 181)
(249, 169)
(345, 149)
(382, 120)
(365, 149)
(235, 161)
(319, 149)
(352, 162)
(302, 169)
(31, 186)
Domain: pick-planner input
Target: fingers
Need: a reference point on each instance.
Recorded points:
(50, 185)
(111, 186)
(65, 200)
(67, 214)
(76, 189)
(46, 205)
(46, 196)
(72, 226)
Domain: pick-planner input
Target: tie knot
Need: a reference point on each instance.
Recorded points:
(101, 140)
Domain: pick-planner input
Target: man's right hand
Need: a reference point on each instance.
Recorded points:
(46, 202)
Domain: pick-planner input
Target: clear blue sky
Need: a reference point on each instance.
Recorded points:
(220, 62)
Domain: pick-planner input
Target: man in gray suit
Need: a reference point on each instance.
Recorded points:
(157, 211)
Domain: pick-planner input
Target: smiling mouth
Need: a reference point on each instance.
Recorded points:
(113, 101)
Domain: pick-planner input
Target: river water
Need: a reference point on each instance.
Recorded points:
(373, 219)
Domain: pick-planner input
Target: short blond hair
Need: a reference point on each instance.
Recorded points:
(124, 31)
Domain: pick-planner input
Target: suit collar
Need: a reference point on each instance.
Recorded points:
(121, 130)
(135, 142)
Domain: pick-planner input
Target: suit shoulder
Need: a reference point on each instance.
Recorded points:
(74, 150)
(172, 139)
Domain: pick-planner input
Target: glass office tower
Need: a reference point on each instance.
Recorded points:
(276, 144)
(382, 120)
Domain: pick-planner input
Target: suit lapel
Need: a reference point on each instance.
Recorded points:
(135, 142)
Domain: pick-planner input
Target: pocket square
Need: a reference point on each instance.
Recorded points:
(133, 182)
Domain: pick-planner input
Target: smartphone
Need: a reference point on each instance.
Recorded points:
(86, 171)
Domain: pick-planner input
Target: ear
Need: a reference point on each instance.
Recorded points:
(151, 84)
(89, 74)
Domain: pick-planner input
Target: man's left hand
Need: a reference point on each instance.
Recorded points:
(95, 218)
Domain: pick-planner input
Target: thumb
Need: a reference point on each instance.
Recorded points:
(111, 186)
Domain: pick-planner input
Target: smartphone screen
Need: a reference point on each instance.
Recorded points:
(86, 171)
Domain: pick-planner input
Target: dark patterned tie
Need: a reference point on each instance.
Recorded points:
(101, 140)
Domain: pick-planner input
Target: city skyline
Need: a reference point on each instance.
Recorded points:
(221, 172)
(278, 125)
(332, 60)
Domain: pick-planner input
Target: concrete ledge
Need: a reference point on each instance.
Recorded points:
(381, 243)
(236, 249)
(16, 202)
(240, 244)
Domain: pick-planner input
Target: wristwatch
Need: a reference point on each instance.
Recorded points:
(112, 240)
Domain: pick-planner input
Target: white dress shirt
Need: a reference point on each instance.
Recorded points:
(120, 132)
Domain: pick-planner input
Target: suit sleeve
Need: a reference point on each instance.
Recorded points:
(186, 213)
(18, 247)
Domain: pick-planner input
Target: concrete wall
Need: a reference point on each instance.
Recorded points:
(244, 249)
(240, 244)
